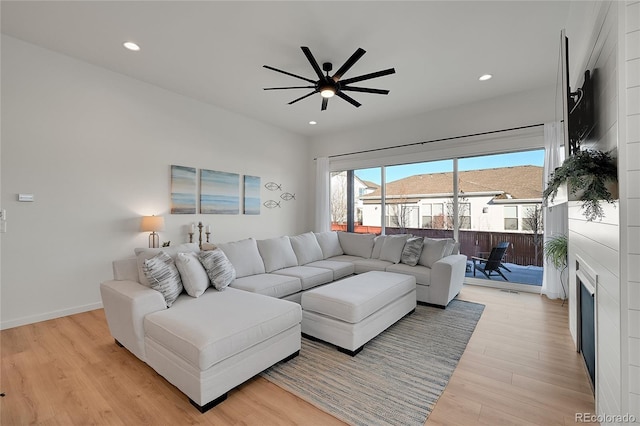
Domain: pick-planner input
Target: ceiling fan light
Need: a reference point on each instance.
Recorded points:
(327, 92)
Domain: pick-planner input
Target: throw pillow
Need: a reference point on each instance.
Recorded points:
(145, 253)
(277, 253)
(163, 276)
(306, 248)
(432, 251)
(329, 244)
(244, 256)
(411, 251)
(193, 275)
(219, 269)
(392, 248)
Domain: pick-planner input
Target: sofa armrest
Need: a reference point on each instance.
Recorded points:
(126, 303)
(447, 277)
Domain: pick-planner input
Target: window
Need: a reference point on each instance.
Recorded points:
(510, 218)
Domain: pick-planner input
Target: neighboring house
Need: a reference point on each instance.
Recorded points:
(500, 199)
(339, 196)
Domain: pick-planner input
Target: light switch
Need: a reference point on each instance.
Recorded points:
(25, 197)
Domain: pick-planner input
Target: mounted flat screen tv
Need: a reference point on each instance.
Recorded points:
(577, 106)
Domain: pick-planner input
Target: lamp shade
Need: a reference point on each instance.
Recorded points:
(152, 223)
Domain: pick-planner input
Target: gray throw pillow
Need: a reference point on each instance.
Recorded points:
(221, 272)
(163, 276)
(412, 250)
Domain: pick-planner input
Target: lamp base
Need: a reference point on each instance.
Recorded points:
(154, 240)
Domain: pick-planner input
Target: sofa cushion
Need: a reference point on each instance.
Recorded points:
(366, 265)
(345, 258)
(422, 273)
(145, 253)
(432, 251)
(329, 244)
(306, 248)
(277, 253)
(356, 244)
(377, 246)
(412, 251)
(392, 246)
(273, 285)
(340, 269)
(189, 328)
(193, 275)
(244, 256)
(221, 272)
(309, 276)
(163, 276)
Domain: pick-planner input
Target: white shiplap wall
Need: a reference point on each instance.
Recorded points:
(630, 114)
(598, 242)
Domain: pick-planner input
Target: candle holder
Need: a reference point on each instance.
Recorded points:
(200, 233)
(208, 233)
(190, 237)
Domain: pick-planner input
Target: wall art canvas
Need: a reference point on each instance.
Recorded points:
(183, 190)
(219, 192)
(251, 195)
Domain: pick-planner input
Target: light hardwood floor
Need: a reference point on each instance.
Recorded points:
(520, 368)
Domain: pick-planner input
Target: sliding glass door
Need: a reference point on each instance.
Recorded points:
(480, 201)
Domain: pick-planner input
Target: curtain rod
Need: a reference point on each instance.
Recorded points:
(435, 140)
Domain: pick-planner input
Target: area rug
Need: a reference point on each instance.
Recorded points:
(398, 376)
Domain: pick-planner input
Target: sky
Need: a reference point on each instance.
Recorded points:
(533, 158)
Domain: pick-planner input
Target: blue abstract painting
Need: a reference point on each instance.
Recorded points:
(183, 190)
(219, 192)
(251, 195)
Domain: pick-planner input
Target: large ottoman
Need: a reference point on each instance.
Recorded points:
(350, 312)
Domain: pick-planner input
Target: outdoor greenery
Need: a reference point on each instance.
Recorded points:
(586, 174)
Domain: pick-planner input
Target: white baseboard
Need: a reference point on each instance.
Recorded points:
(49, 315)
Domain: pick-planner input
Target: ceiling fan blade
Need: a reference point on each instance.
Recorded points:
(368, 76)
(288, 73)
(348, 64)
(312, 61)
(291, 87)
(325, 102)
(349, 99)
(366, 90)
(302, 97)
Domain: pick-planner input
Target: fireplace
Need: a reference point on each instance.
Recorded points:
(586, 283)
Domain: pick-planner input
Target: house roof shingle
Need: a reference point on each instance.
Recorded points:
(519, 182)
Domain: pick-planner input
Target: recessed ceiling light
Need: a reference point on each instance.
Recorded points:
(131, 46)
(485, 77)
(313, 123)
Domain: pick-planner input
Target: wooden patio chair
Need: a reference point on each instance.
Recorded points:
(493, 263)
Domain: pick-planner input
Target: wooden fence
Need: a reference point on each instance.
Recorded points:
(523, 249)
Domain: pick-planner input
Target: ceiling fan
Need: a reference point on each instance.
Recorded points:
(329, 86)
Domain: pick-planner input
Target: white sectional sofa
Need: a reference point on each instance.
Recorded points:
(206, 341)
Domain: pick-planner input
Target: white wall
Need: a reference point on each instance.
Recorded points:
(95, 149)
(630, 197)
(611, 247)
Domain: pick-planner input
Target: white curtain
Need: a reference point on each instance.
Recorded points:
(554, 285)
(323, 215)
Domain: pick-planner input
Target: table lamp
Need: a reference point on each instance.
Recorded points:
(153, 224)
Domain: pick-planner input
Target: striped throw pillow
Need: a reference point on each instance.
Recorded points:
(221, 272)
(412, 251)
(163, 276)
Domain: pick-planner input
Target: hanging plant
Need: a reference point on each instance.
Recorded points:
(587, 175)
